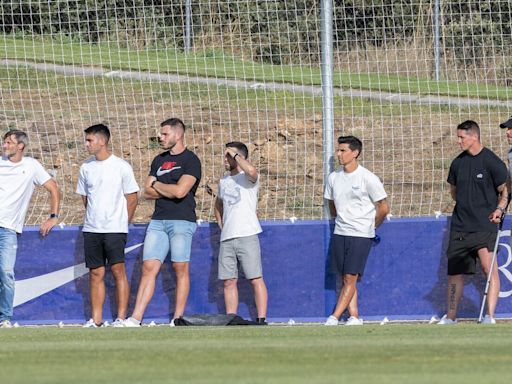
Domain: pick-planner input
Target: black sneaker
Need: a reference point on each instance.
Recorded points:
(261, 321)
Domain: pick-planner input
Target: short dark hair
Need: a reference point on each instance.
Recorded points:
(98, 129)
(21, 137)
(241, 147)
(469, 126)
(353, 143)
(173, 122)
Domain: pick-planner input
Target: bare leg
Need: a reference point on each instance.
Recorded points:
(97, 285)
(231, 295)
(260, 296)
(150, 269)
(455, 289)
(494, 284)
(122, 289)
(182, 287)
(346, 294)
(352, 306)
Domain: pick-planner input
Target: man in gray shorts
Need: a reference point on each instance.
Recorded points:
(235, 210)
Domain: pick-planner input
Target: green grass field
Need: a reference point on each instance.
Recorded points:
(419, 353)
(218, 64)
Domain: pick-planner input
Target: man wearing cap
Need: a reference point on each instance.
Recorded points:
(508, 126)
(477, 180)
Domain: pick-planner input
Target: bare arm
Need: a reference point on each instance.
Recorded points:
(219, 209)
(175, 191)
(84, 200)
(131, 202)
(332, 208)
(52, 187)
(249, 169)
(501, 206)
(382, 208)
(149, 192)
(453, 191)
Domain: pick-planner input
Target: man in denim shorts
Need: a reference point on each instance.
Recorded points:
(172, 183)
(235, 210)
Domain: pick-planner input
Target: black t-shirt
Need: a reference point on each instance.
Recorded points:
(476, 179)
(168, 169)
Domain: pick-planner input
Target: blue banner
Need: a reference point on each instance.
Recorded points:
(405, 276)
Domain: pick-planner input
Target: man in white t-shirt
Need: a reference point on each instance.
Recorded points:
(358, 201)
(235, 210)
(18, 177)
(109, 193)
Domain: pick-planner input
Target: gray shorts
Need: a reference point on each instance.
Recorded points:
(243, 250)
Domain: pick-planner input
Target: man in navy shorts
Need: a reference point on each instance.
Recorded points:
(358, 201)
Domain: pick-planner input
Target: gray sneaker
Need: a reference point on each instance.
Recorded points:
(488, 320)
(5, 324)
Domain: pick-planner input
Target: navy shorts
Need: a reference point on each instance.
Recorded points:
(100, 248)
(463, 249)
(349, 254)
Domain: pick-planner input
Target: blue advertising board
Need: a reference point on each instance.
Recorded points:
(405, 277)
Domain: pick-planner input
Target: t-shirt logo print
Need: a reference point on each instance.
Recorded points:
(166, 167)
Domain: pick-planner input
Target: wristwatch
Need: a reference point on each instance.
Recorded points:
(54, 215)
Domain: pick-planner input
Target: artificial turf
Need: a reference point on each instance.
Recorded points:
(405, 353)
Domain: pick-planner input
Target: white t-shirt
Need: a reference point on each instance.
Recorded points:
(239, 199)
(17, 183)
(105, 183)
(354, 195)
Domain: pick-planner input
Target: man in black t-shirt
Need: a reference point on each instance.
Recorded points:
(477, 180)
(172, 183)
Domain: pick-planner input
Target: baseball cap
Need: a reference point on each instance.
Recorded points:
(507, 124)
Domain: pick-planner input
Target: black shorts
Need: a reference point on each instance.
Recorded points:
(100, 248)
(349, 254)
(463, 249)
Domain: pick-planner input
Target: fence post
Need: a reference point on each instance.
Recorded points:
(326, 11)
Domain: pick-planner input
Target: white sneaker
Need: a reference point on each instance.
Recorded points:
(90, 324)
(488, 320)
(331, 320)
(5, 324)
(354, 321)
(171, 324)
(446, 321)
(118, 323)
(131, 323)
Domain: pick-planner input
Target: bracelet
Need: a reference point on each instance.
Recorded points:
(153, 183)
(501, 209)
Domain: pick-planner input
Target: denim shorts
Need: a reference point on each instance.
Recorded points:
(169, 238)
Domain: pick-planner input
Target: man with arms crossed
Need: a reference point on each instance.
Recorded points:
(172, 183)
(235, 210)
(358, 201)
(109, 193)
(18, 177)
(477, 180)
